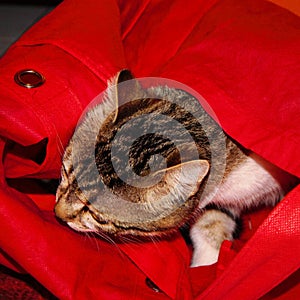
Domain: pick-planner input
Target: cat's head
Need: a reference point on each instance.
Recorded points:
(153, 203)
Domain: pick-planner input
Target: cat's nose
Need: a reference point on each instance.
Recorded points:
(59, 211)
(68, 209)
(62, 211)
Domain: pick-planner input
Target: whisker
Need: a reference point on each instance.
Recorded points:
(111, 241)
(60, 146)
(130, 239)
(105, 237)
(92, 238)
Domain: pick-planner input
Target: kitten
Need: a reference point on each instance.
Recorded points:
(169, 178)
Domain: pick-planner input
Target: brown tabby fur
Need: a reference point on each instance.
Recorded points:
(213, 219)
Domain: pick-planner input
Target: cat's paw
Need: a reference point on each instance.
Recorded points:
(207, 235)
(204, 255)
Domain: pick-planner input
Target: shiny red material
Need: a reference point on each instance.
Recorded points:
(243, 57)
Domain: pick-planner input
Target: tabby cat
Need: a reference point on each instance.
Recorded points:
(148, 161)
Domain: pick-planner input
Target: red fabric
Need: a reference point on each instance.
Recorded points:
(243, 57)
(15, 286)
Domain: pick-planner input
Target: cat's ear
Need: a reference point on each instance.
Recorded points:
(125, 92)
(181, 181)
(124, 75)
(127, 87)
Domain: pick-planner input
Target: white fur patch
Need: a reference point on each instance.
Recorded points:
(204, 253)
(207, 235)
(249, 185)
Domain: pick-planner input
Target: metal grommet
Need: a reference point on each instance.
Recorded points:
(29, 78)
(152, 285)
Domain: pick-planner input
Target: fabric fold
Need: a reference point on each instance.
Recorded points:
(242, 57)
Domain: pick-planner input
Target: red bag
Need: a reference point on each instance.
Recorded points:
(243, 57)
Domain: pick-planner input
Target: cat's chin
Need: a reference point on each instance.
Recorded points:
(80, 228)
(85, 224)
